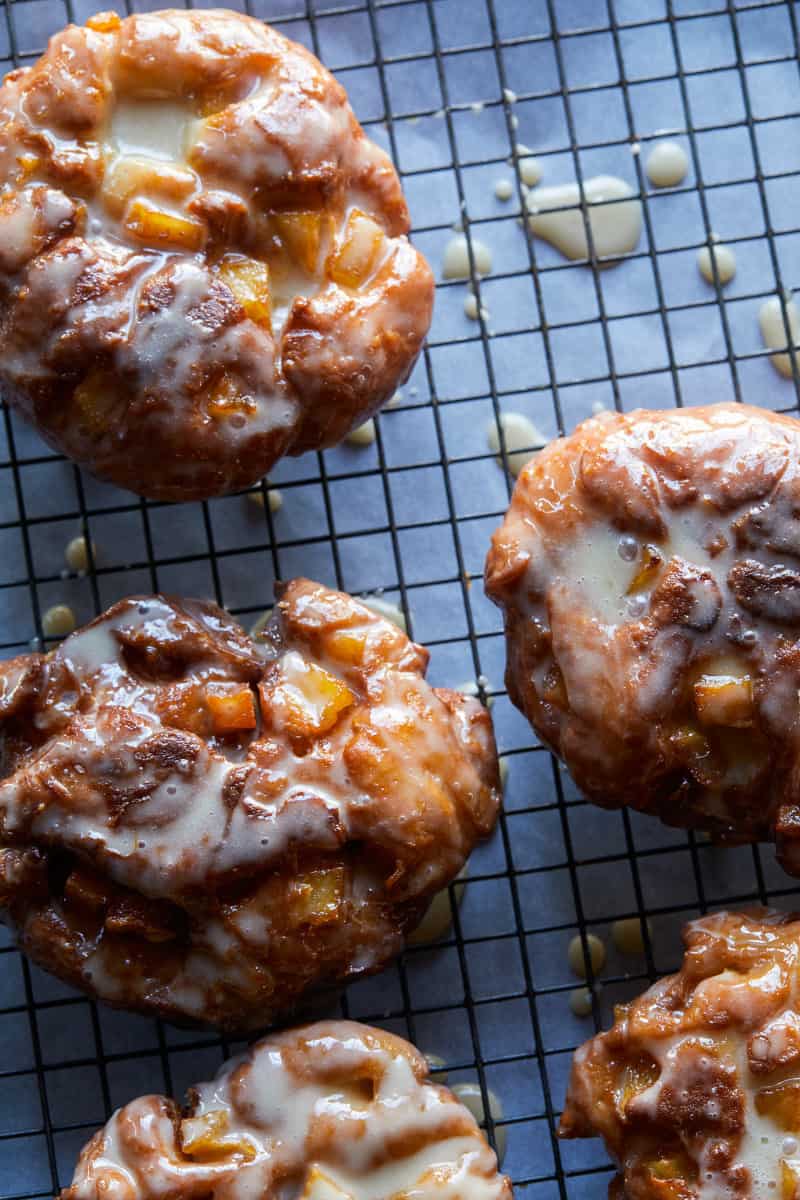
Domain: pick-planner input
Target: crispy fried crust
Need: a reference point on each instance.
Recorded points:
(332, 1111)
(176, 325)
(649, 572)
(206, 828)
(696, 1088)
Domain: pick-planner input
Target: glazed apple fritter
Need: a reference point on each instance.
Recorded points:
(331, 1111)
(207, 828)
(696, 1087)
(649, 572)
(203, 261)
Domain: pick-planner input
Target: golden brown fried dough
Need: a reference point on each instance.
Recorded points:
(332, 1111)
(649, 572)
(209, 829)
(203, 261)
(696, 1088)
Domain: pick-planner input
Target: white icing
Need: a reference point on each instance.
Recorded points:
(151, 129)
(616, 227)
(274, 1112)
(456, 265)
(721, 256)
(667, 164)
(522, 439)
(773, 331)
(362, 435)
(531, 171)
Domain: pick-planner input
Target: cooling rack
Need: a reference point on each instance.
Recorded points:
(455, 89)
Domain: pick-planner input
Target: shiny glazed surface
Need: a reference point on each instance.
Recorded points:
(207, 828)
(332, 1111)
(202, 258)
(696, 1088)
(649, 573)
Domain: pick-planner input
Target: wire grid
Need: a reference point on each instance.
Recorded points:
(454, 89)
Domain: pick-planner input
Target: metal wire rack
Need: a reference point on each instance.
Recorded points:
(456, 89)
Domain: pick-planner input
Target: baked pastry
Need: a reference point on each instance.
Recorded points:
(203, 261)
(210, 829)
(649, 572)
(332, 1111)
(695, 1089)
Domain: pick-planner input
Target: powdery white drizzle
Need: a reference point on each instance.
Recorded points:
(773, 331)
(616, 227)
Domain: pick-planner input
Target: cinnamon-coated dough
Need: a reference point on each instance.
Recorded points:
(649, 572)
(696, 1088)
(209, 829)
(203, 261)
(331, 1111)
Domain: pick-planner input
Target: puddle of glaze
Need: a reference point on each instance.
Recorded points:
(773, 331)
(724, 258)
(455, 264)
(616, 228)
(151, 129)
(667, 165)
(522, 440)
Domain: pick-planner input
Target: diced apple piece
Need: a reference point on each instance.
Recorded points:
(248, 279)
(320, 1186)
(131, 175)
(649, 565)
(28, 163)
(301, 234)
(151, 225)
(93, 398)
(724, 700)
(356, 254)
(781, 1103)
(232, 712)
(790, 1181)
(311, 698)
(226, 398)
(209, 1137)
(104, 22)
(672, 1176)
(316, 898)
(347, 646)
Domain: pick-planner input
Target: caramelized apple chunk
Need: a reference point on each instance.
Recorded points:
(357, 251)
(151, 225)
(249, 282)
